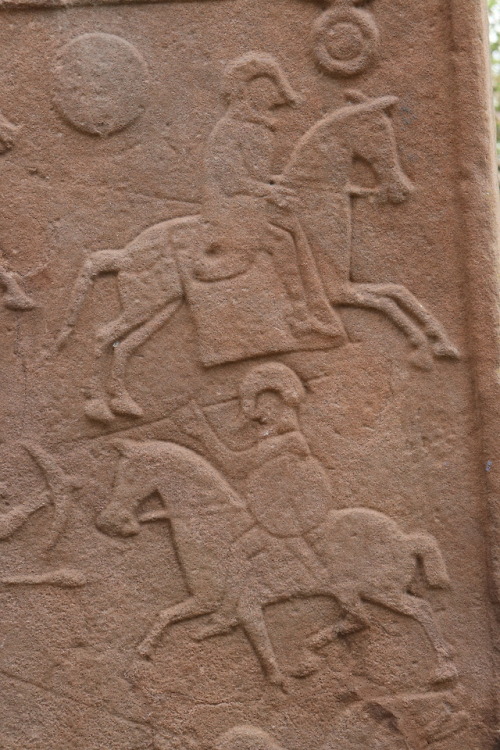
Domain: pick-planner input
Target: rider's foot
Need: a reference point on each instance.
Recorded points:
(126, 406)
(303, 325)
(98, 410)
(18, 300)
(217, 625)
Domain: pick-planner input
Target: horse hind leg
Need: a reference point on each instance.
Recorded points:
(421, 611)
(15, 298)
(440, 342)
(363, 295)
(121, 401)
(195, 606)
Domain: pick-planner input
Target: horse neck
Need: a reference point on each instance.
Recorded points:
(137, 478)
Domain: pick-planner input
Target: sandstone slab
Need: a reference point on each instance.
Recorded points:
(249, 465)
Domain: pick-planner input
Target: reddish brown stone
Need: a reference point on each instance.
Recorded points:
(249, 400)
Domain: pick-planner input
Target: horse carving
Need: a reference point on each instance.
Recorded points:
(367, 556)
(264, 267)
(274, 540)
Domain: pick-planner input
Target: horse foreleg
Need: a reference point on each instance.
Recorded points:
(251, 618)
(441, 344)
(195, 606)
(358, 296)
(122, 402)
(421, 611)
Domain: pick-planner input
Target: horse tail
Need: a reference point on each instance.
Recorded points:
(84, 281)
(425, 547)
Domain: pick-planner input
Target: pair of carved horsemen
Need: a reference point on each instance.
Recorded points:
(265, 265)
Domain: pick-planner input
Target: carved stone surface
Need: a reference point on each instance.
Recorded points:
(249, 409)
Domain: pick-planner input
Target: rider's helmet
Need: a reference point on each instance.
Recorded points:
(271, 376)
(254, 65)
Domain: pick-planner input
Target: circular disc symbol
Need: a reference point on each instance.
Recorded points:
(101, 82)
(345, 41)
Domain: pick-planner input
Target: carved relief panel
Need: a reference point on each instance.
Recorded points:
(242, 490)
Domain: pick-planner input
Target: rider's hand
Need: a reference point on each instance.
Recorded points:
(280, 195)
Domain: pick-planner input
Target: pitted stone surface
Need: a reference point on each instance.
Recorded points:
(248, 395)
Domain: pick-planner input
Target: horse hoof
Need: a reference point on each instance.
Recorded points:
(441, 349)
(126, 407)
(145, 650)
(19, 302)
(279, 681)
(421, 359)
(98, 410)
(446, 673)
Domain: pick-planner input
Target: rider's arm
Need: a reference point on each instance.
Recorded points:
(236, 463)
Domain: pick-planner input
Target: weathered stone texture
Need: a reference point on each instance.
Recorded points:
(249, 402)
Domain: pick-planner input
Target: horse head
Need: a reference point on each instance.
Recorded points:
(371, 129)
(121, 516)
(361, 129)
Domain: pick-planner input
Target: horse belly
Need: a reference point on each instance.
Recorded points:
(153, 287)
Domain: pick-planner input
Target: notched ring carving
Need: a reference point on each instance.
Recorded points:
(346, 41)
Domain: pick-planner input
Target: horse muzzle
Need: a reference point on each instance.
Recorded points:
(116, 521)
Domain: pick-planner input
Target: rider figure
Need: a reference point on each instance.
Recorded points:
(248, 209)
(285, 489)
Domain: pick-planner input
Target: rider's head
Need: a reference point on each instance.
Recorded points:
(256, 80)
(270, 395)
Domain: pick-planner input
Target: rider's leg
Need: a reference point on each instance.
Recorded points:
(285, 241)
(306, 554)
(122, 402)
(283, 248)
